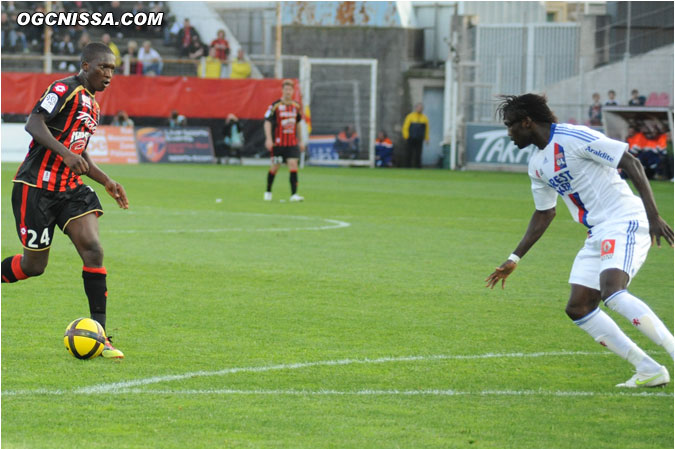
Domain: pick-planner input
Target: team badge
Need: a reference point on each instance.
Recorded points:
(607, 248)
(559, 158)
(86, 101)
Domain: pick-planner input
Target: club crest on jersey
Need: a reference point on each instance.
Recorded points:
(60, 88)
(86, 101)
(559, 157)
(607, 248)
(88, 121)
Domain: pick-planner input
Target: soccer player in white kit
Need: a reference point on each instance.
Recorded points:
(580, 165)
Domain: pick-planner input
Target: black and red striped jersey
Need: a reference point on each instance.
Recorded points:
(284, 118)
(71, 114)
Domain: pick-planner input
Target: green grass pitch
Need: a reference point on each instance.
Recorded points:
(356, 319)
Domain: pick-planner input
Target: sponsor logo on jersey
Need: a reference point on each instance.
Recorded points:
(561, 182)
(88, 121)
(607, 248)
(46, 175)
(49, 102)
(559, 158)
(60, 88)
(599, 154)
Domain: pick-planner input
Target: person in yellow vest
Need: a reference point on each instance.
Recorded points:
(210, 67)
(240, 67)
(415, 132)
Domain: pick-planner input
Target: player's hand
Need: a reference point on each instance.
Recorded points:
(117, 192)
(76, 163)
(659, 228)
(500, 273)
(268, 144)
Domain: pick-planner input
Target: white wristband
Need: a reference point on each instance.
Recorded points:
(515, 258)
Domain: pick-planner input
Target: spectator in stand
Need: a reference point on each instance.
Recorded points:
(595, 111)
(171, 31)
(34, 34)
(222, 52)
(222, 46)
(636, 99)
(132, 52)
(384, 150)
(185, 37)
(117, 9)
(116, 51)
(240, 68)
(210, 66)
(177, 120)
(347, 143)
(65, 47)
(83, 41)
(150, 59)
(197, 48)
(611, 98)
(635, 140)
(13, 39)
(122, 120)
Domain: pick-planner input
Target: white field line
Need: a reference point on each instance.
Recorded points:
(331, 224)
(125, 386)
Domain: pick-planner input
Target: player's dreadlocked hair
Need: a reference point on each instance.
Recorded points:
(90, 51)
(527, 105)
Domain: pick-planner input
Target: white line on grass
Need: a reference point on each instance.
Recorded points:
(331, 224)
(393, 392)
(124, 386)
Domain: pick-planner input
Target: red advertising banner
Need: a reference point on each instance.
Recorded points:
(114, 145)
(155, 96)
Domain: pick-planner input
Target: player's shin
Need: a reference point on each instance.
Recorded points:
(11, 270)
(606, 332)
(294, 181)
(270, 180)
(97, 292)
(642, 317)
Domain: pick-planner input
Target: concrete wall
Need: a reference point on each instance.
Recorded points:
(395, 49)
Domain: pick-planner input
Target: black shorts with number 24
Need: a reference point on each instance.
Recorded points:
(36, 211)
(282, 154)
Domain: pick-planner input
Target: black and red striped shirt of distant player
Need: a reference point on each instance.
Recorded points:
(71, 114)
(284, 116)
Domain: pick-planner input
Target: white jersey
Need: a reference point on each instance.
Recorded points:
(580, 164)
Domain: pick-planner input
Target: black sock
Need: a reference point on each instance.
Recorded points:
(11, 269)
(270, 180)
(97, 292)
(294, 181)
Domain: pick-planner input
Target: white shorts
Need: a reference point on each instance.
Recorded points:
(619, 245)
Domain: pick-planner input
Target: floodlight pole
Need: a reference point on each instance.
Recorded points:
(277, 53)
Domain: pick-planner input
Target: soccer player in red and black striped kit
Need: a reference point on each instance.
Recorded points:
(48, 189)
(282, 130)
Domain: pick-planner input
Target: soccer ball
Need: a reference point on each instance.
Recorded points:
(84, 338)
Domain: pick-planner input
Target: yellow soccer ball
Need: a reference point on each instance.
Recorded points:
(84, 338)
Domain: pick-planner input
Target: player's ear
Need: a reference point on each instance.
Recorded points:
(526, 122)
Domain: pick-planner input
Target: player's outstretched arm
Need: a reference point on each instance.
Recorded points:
(657, 226)
(539, 222)
(112, 187)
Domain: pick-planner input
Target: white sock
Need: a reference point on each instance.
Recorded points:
(640, 315)
(607, 333)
